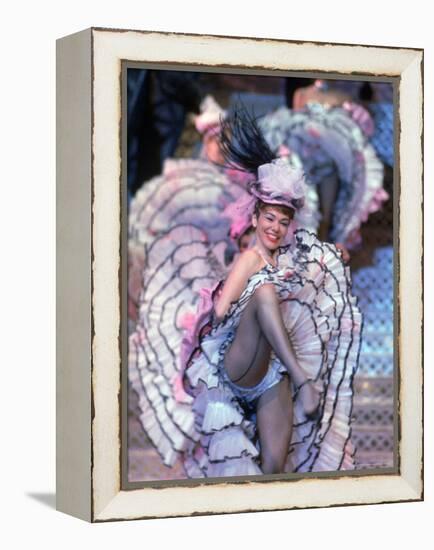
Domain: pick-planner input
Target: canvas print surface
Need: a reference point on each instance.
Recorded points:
(260, 275)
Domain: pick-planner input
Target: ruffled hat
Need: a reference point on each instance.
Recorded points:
(280, 183)
(276, 181)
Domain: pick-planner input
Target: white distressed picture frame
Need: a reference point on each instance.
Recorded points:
(89, 274)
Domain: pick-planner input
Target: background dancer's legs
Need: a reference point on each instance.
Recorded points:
(327, 191)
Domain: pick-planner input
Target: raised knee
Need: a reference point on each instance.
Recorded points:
(265, 292)
(265, 297)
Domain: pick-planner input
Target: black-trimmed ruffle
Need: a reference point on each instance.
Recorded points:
(209, 431)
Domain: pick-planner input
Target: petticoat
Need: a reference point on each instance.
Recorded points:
(329, 142)
(209, 430)
(190, 192)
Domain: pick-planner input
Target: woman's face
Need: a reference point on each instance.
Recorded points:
(212, 148)
(271, 226)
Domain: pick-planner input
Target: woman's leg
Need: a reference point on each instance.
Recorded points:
(247, 359)
(261, 327)
(274, 421)
(270, 320)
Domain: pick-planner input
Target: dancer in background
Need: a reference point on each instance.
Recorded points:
(370, 103)
(189, 191)
(331, 137)
(268, 356)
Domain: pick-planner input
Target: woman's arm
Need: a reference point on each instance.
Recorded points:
(246, 265)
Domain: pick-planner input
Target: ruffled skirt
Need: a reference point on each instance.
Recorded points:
(210, 430)
(331, 144)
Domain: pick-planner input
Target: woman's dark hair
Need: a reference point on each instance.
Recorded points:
(366, 92)
(242, 142)
(293, 84)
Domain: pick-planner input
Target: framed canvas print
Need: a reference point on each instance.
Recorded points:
(239, 247)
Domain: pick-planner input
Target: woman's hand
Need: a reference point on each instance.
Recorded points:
(344, 251)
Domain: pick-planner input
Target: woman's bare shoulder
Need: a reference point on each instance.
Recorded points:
(249, 262)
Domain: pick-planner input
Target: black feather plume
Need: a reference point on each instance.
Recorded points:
(242, 142)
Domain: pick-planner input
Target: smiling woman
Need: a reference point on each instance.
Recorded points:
(272, 222)
(246, 367)
(269, 357)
